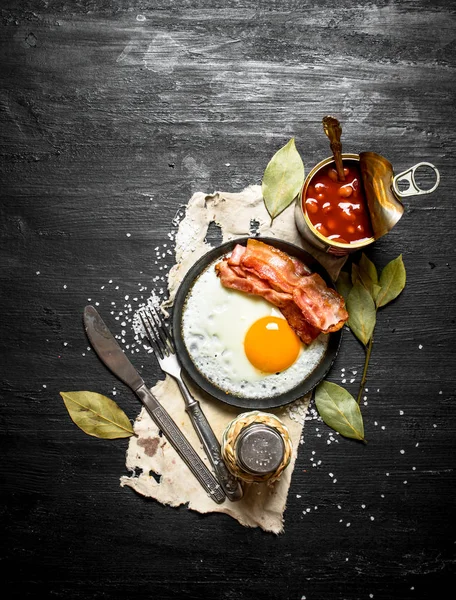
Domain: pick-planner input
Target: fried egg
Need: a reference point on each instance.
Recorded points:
(242, 344)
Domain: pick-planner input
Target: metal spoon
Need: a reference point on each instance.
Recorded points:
(333, 130)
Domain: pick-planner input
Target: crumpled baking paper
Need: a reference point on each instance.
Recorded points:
(157, 470)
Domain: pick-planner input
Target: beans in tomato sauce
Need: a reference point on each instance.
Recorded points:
(338, 209)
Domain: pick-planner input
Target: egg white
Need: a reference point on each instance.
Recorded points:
(214, 323)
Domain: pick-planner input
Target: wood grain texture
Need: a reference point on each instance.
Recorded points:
(111, 116)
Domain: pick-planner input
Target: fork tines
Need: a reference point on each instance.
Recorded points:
(156, 332)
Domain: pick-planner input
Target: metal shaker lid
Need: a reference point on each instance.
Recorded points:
(259, 449)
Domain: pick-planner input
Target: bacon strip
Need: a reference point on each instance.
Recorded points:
(321, 306)
(236, 278)
(307, 303)
(271, 264)
(303, 329)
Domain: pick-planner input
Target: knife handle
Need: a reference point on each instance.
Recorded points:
(180, 443)
(229, 482)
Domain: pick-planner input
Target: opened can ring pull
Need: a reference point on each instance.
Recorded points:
(408, 176)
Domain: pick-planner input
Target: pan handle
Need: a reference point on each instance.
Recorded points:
(413, 188)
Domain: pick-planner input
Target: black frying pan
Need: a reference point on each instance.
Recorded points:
(197, 377)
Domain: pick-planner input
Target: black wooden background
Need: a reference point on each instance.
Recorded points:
(112, 114)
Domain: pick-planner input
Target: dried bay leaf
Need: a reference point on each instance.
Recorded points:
(97, 415)
(283, 179)
(344, 284)
(392, 281)
(368, 269)
(362, 312)
(339, 410)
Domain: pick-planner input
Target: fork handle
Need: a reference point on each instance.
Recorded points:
(229, 483)
(180, 443)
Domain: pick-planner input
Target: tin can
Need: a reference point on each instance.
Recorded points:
(382, 194)
(256, 447)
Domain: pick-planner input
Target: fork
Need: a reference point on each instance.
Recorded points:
(162, 345)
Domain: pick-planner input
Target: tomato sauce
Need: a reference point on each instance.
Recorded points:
(338, 209)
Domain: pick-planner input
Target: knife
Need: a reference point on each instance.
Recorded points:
(112, 355)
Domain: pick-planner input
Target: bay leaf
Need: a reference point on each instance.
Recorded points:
(97, 415)
(283, 179)
(366, 273)
(362, 312)
(369, 276)
(344, 284)
(392, 281)
(368, 269)
(339, 410)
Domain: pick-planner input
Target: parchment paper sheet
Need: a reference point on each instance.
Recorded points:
(237, 214)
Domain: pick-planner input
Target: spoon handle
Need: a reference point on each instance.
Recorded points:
(333, 130)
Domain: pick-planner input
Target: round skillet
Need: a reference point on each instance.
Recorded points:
(305, 386)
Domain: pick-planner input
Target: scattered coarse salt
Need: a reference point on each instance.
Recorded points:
(38, 272)
(402, 451)
(420, 346)
(128, 234)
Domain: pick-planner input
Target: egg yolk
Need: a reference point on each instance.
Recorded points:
(271, 345)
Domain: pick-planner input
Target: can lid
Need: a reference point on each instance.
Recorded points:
(259, 449)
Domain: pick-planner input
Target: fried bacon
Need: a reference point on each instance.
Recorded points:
(322, 307)
(307, 303)
(270, 264)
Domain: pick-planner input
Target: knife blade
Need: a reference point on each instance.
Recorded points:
(113, 357)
